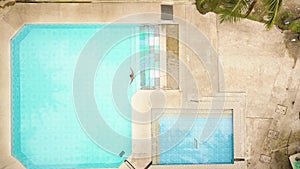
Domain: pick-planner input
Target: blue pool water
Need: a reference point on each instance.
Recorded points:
(216, 149)
(46, 132)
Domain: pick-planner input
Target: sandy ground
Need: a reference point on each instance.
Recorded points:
(294, 5)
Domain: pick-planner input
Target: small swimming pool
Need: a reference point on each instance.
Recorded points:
(46, 132)
(217, 148)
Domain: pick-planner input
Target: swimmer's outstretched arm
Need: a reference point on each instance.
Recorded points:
(131, 71)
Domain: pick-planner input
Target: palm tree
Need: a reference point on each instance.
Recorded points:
(235, 10)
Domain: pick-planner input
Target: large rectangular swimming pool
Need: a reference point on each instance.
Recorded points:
(46, 131)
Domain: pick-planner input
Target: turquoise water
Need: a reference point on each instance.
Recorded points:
(46, 132)
(216, 149)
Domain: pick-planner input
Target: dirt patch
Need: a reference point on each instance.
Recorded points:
(280, 160)
(293, 5)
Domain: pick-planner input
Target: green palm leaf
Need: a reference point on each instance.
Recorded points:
(234, 10)
(273, 7)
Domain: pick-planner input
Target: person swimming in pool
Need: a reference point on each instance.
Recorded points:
(131, 75)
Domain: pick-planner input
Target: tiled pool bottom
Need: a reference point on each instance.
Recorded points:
(215, 149)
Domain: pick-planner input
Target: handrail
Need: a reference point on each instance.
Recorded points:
(128, 164)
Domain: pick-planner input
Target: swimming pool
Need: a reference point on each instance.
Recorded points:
(190, 148)
(46, 132)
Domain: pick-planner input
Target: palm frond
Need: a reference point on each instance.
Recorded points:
(234, 10)
(230, 17)
(240, 6)
(251, 7)
(273, 7)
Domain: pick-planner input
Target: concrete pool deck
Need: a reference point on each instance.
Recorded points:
(257, 74)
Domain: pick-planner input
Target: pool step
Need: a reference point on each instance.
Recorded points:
(172, 47)
(149, 57)
(159, 56)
